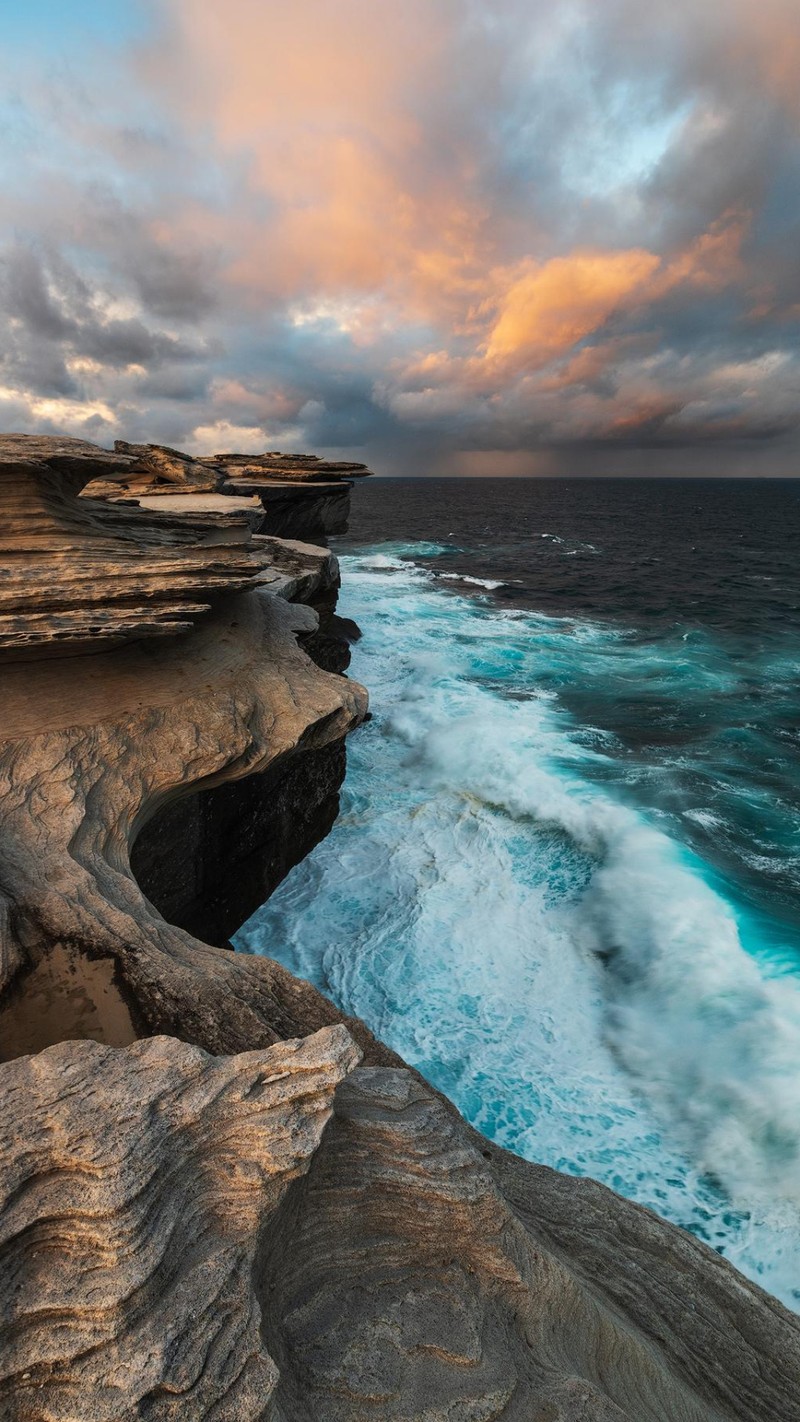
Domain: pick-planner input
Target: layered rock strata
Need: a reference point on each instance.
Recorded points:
(79, 573)
(299, 495)
(181, 1234)
(297, 467)
(94, 746)
(417, 1273)
(154, 467)
(131, 1210)
(259, 828)
(302, 496)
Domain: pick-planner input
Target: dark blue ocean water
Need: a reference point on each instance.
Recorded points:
(566, 877)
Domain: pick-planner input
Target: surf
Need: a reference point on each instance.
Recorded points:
(563, 969)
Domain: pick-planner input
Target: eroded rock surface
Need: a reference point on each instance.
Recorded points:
(303, 573)
(299, 495)
(302, 496)
(258, 828)
(298, 509)
(155, 466)
(183, 1236)
(94, 746)
(417, 1273)
(293, 467)
(133, 1189)
(79, 573)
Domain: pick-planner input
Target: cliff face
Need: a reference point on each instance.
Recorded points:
(298, 495)
(217, 1220)
(208, 859)
(179, 670)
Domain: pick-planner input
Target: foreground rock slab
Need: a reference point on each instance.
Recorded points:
(200, 1238)
(133, 1188)
(416, 1274)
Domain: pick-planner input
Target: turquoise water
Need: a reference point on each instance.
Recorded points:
(521, 908)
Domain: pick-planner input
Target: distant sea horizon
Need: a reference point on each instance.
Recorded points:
(599, 478)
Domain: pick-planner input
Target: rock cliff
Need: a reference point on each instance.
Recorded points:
(208, 1210)
(299, 495)
(79, 572)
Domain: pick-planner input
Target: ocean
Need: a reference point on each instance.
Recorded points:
(565, 881)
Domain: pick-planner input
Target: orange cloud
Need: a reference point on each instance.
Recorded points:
(591, 363)
(323, 101)
(713, 260)
(528, 333)
(547, 309)
(765, 41)
(370, 204)
(355, 202)
(645, 414)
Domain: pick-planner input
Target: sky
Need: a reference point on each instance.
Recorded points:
(442, 236)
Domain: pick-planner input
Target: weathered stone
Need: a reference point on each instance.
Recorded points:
(300, 572)
(91, 748)
(400, 1282)
(133, 1189)
(303, 496)
(257, 828)
(79, 573)
(224, 508)
(156, 466)
(310, 510)
(274, 465)
(300, 495)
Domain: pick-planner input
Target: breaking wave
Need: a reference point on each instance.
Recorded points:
(566, 971)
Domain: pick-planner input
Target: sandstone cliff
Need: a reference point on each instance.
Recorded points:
(184, 1233)
(299, 495)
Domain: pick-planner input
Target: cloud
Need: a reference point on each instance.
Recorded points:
(414, 231)
(549, 309)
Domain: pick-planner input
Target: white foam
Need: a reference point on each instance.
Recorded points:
(382, 562)
(706, 818)
(490, 583)
(580, 548)
(546, 955)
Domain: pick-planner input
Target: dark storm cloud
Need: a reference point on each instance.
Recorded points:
(51, 312)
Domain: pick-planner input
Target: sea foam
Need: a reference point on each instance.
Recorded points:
(544, 952)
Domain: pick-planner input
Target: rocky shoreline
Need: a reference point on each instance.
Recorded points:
(219, 1198)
